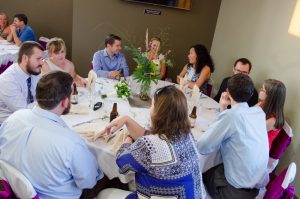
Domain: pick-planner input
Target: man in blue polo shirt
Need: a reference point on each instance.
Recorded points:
(20, 31)
(110, 62)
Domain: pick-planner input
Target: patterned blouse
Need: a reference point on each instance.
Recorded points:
(163, 168)
(192, 76)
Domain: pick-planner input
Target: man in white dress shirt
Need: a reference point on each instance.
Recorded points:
(18, 82)
(43, 148)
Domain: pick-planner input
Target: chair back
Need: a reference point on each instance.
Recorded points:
(279, 145)
(19, 184)
(5, 66)
(280, 187)
(210, 85)
(43, 41)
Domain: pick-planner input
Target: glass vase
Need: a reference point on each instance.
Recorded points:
(144, 89)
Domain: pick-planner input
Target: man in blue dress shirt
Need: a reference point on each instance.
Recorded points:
(110, 62)
(241, 136)
(39, 144)
(20, 31)
(19, 81)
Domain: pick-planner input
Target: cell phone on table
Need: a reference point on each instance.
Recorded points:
(97, 106)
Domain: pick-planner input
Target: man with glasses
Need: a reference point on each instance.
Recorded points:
(240, 135)
(241, 66)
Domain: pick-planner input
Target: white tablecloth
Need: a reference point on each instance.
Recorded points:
(206, 112)
(8, 52)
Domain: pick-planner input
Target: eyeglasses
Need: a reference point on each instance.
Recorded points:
(163, 89)
(240, 71)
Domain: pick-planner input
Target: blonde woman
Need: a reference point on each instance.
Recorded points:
(57, 61)
(4, 27)
(154, 55)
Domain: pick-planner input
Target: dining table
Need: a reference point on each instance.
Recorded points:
(8, 53)
(84, 120)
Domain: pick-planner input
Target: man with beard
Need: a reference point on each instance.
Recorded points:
(39, 144)
(19, 81)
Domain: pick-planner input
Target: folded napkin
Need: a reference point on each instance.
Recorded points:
(118, 140)
(79, 109)
(195, 95)
(92, 78)
(90, 131)
(115, 139)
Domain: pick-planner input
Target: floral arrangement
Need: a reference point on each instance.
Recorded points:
(122, 89)
(146, 71)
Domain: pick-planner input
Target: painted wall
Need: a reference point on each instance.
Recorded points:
(47, 18)
(179, 29)
(258, 30)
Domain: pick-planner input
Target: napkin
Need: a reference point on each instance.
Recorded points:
(195, 95)
(115, 139)
(92, 77)
(118, 140)
(79, 109)
(89, 130)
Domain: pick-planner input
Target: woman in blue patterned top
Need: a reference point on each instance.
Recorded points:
(165, 160)
(199, 69)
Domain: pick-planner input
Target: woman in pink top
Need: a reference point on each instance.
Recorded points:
(272, 98)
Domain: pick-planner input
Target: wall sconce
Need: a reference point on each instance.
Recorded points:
(294, 28)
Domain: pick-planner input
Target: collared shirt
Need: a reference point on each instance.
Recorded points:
(26, 34)
(53, 158)
(241, 136)
(103, 63)
(14, 90)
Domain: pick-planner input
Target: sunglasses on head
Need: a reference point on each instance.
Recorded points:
(163, 89)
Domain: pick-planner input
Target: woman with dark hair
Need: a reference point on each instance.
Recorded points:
(272, 98)
(164, 159)
(199, 69)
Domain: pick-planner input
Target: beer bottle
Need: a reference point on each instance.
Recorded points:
(122, 77)
(74, 96)
(114, 113)
(193, 117)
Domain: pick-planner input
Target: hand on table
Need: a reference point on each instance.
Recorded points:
(116, 124)
(114, 74)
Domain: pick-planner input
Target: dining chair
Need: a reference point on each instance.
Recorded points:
(210, 85)
(279, 145)
(43, 41)
(280, 187)
(113, 193)
(19, 184)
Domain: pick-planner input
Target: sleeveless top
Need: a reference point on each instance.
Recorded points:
(192, 76)
(52, 66)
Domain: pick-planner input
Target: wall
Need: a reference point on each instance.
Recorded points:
(258, 30)
(47, 18)
(179, 29)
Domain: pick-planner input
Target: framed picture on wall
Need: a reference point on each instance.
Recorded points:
(181, 4)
